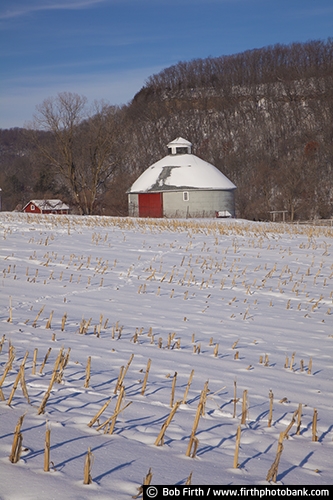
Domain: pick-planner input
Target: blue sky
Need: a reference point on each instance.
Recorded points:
(106, 49)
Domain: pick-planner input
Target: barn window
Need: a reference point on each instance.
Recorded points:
(186, 196)
(32, 207)
(181, 151)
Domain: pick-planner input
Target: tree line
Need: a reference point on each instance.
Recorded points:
(253, 67)
(263, 117)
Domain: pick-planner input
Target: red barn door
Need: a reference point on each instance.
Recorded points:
(151, 205)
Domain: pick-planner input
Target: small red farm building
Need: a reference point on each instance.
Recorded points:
(46, 207)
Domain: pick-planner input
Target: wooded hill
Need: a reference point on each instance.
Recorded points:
(263, 117)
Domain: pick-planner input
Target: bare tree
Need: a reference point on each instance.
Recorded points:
(81, 147)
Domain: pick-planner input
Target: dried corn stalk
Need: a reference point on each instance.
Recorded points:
(146, 377)
(244, 407)
(99, 413)
(188, 387)
(273, 471)
(47, 449)
(86, 383)
(15, 454)
(160, 438)
(87, 479)
(238, 436)
(174, 380)
(41, 409)
(270, 415)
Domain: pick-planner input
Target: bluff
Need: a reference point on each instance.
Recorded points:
(263, 117)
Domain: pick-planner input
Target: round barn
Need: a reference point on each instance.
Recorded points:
(182, 185)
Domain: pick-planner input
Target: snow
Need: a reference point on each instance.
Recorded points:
(180, 141)
(263, 291)
(181, 172)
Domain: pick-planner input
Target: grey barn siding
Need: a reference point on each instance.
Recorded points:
(201, 203)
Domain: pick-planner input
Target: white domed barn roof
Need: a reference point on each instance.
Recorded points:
(181, 170)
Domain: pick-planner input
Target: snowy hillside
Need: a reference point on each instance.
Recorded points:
(246, 307)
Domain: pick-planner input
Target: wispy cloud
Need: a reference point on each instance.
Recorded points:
(10, 11)
(24, 9)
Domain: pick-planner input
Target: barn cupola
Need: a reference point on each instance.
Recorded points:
(179, 146)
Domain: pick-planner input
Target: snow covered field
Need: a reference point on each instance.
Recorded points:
(242, 305)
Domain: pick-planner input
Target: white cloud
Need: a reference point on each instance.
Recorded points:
(24, 9)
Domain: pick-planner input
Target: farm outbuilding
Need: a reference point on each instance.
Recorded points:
(182, 185)
(46, 207)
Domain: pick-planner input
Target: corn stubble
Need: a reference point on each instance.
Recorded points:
(16, 450)
(62, 360)
(238, 437)
(194, 441)
(160, 438)
(88, 463)
(41, 408)
(47, 447)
